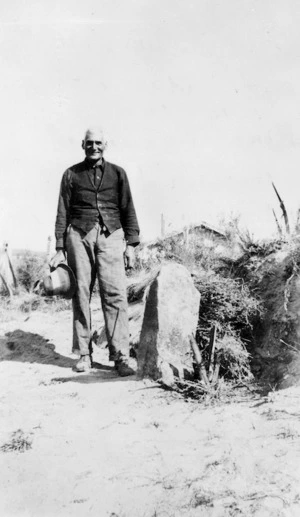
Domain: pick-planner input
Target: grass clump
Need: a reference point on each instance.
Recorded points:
(138, 285)
(228, 305)
(234, 358)
(19, 442)
(30, 270)
(26, 303)
(225, 302)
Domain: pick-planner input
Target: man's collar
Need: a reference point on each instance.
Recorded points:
(100, 163)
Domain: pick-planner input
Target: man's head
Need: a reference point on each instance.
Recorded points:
(94, 144)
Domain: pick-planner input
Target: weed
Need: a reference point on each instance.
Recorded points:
(288, 432)
(19, 443)
(271, 414)
(202, 500)
(30, 270)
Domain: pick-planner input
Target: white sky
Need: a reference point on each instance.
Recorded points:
(200, 100)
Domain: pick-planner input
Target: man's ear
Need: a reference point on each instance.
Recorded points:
(82, 144)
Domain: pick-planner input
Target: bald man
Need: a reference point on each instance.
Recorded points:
(95, 223)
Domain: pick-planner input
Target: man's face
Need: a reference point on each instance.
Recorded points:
(94, 145)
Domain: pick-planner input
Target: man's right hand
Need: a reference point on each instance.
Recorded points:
(57, 259)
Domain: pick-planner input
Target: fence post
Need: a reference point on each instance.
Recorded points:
(162, 226)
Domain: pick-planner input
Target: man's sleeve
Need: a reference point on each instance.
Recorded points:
(128, 215)
(62, 217)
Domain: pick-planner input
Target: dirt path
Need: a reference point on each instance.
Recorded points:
(103, 446)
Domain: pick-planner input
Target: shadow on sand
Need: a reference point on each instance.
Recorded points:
(99, 374)
(27, 347)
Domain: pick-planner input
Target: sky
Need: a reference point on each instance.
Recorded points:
(200, 102)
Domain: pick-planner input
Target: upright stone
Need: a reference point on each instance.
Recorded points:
(170, 318)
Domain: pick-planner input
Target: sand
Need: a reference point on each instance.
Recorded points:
(96, 445)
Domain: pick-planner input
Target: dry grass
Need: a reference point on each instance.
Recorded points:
(19, 442)
(28, 302)
(234, 358)
(139, 284)
(221, 392)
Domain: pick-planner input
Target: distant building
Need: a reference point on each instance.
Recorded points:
(203, 234)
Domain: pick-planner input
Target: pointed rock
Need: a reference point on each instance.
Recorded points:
(170, 318)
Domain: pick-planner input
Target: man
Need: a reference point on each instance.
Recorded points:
(95, 212)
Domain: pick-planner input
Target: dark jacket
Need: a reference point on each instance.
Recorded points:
(82, 204)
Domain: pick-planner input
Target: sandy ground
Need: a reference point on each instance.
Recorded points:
(103, 446)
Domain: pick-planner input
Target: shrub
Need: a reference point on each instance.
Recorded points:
(193, 256)
(227, 304)
(233, 357)
(19, 442)
(29, 270)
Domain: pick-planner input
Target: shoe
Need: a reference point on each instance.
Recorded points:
(112, 357)
(84, 364)
(112, 354)
(123, 369)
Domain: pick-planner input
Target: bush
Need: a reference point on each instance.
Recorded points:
(233, 357)
(19, 442)
(30, 269)
(225, 302)
(228, 305)
(195, 255)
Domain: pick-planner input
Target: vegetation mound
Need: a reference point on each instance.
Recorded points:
(250, 299)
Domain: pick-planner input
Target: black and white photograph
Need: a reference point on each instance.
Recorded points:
(150, 258)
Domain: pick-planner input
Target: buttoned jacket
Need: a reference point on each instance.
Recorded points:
(82, 204)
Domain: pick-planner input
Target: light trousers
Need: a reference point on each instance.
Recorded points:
(91, 255)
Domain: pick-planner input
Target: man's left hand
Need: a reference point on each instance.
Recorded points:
(129, 257)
